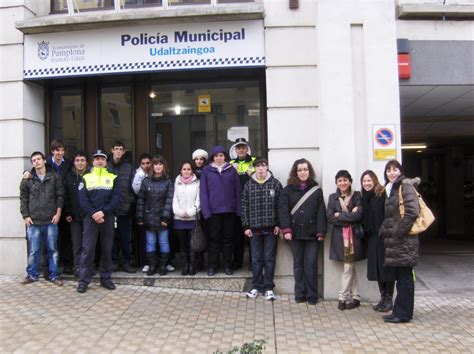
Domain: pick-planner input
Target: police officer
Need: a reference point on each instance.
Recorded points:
(98, 196)
(243, 162)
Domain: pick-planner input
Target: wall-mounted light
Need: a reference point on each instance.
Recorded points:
(152, 94)
(177, 109)
(418, 146)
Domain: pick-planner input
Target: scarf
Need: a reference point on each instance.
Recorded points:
(347, 235)
(219, 168)
(186, 180)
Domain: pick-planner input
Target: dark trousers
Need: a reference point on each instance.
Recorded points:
(184, 237)
(305, 268)
(141, 245)
(77, 229)
(239, 243)
(89, 241)
(263, 244)
(221, 231)
(405, 300)
(65, 243)
(122, 251)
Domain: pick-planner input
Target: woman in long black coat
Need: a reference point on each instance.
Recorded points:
(373, 206)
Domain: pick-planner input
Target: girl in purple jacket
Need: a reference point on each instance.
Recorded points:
(220, 203)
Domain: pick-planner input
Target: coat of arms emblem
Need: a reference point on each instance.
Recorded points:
(43, 50)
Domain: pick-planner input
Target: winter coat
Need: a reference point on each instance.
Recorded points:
(260, 203)
(40, 200)
(401, 249)
(72, 206)
(186, 199)
(372, 219)
(155, 202)
(98, 191)
(220, 191)
(124, 172)
(309, 220)
(336, 251)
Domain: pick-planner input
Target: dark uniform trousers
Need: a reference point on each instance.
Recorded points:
(89, 241)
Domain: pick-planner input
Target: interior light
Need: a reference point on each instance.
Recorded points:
(417, 146)
(152, 94)
(177, 109)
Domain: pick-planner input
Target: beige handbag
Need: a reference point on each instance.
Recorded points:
(425, 217)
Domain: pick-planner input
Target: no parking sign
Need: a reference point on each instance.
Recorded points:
(384, 142)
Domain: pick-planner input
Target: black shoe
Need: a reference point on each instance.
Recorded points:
(386, 317)
(341, 305)
(300, 300)
(107, 284)
(386, 306)
(228, 271)
(380, 303)
(116, 268)
(353, 304)
(128, 268)
(395, 319)
(82, 288)
(192, 270)
(237, 266)
(312, 301)
(67, 270)
(211, 272)
(185, 270)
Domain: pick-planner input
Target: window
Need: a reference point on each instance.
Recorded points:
(67, 119)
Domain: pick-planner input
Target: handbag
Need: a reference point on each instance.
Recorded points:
(197, 243)
(359, 231)
(425, 217)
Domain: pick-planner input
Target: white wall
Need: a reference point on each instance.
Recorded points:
(21, 130)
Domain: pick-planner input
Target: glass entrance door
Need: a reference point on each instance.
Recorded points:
(190, 116)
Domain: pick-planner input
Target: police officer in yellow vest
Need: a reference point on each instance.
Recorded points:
(242, 160)
(98, 196)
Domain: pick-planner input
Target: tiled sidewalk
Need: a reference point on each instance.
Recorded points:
(44, 317)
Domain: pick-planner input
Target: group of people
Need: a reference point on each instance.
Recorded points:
(234, 197)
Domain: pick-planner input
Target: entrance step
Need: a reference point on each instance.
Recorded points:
(238, 282)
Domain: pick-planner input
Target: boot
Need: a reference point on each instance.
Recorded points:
(388, 303)
(163, 262)
(150, 256)
(185, 270)
(192, 264)
(383, 293)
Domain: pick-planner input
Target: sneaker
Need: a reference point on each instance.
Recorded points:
(145, 269)
(170, 268)
(270, 295)
(57, 281)
(252, 294)
(28, 280)
(82, 288)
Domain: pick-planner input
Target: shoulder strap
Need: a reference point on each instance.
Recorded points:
(303, 199)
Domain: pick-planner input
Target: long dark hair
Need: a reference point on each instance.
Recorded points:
(378, 188)
(392, 163)
(187, 162)
(293, 177)
(159, 159)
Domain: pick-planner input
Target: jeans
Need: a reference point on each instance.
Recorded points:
(36, 235)
(405, 300)
(163, 240)
(263, 245)
(305, 268)
(122, 251)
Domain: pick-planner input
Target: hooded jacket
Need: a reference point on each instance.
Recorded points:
(401, 249)
(40, 200)
(260, 202)
(220, 189)
(72, 206)
(124, 171)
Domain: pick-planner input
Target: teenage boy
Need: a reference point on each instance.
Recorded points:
(72, 210)
(260, 222)
(242, 161)
(122, 251)
(41, 203)
(98, 197)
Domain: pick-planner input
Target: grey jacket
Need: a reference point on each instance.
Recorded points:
(40, 200)
(401, 249)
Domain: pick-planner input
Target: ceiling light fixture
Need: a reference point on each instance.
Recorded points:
(417, 146)
(177, 109)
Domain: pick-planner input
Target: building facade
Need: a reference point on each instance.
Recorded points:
(313, 79)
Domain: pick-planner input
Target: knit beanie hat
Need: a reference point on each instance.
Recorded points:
(200, 153)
